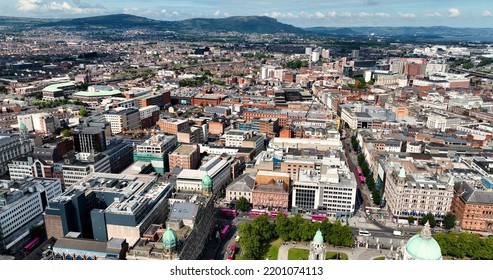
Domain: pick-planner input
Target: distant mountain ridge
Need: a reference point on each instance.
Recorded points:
(241, 24)
(422, 31)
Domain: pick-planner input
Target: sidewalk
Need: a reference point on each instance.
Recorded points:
(361, 253)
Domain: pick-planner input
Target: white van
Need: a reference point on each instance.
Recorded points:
(364, 232)
(397, 233)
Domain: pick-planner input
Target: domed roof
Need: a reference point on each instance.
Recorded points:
(169, 238)
(424, 247)
(22, 126)
(206, 182)
(318, 237)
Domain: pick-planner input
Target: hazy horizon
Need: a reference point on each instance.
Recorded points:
(335, 13)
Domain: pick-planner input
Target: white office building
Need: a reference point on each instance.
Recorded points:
(333, 192)
(21, 169)
(21, 202)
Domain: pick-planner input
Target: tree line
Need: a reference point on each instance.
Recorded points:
(365, 169)
(257, 235)
(465, 245)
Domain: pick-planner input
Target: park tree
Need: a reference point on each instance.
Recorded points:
(361, 159)
(250, 242)
(296, 223)
(283, 226)
(66, 133)
(83, 112)
(428, 218)
(365, 169)
(340, 235)
(242, 204)
(263, 227)
(410, 220)
(308, 230)
(449, 221)
(377, 196)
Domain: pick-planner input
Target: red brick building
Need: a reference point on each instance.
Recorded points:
(473, 207)
(172, 126)
(185, 156)
(208, 99)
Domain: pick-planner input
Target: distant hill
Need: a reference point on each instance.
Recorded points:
(242, 24)
(429, 31)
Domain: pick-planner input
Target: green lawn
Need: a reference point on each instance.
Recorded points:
(297, 254)
(333, 256)
(382, 258)
(273, 250)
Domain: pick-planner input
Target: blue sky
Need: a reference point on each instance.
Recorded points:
(456, 13)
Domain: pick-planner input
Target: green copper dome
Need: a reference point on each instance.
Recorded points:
(424, 247)
(22, 126)
(169, 238)
(207, 182)
(319, 239)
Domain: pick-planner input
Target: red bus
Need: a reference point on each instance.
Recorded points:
(232, 251)
(256, 213)
(318, 217)
(228, 212)
(359, 171)
(273, 213)
(361, 179)
(225, 231)
(31, 245)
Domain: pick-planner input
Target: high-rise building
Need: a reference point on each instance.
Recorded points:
(122, 119)
(21, 203)
(90, 139)
(155, 150)
(13, 146)
(102, 206)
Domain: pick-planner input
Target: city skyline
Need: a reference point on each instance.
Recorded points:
(336, 13)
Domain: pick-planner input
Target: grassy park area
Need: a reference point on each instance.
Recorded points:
(302, 254)
(274, 249)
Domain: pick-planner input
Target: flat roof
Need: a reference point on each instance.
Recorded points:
(56, 87)
(97, 93)
(184, 150)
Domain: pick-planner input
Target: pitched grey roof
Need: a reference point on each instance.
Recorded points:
(244, 183)
(184, 211)
(473, 195)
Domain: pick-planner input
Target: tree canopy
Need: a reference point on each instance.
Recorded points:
(257, 234)
(428, 218)
(449, 221)
(242, 204)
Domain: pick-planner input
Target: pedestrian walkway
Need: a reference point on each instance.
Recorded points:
(361, 253)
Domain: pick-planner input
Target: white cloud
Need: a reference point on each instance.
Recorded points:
(29, 5)
(407, 15)
(332, 14)
(435, 14)
(345, 14)
(217, 13)
(486, 13)
(42, 6)
(319, 15)
(363, 14)
(382, 15)
(290, 15)
(453, 12)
